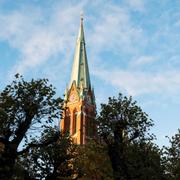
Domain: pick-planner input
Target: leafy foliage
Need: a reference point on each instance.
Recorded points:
(24, 107)
(92, 161)
(51, 156)
(143, 161)
(171, 157)
(124, 151)
(123, 116)
(123, 126)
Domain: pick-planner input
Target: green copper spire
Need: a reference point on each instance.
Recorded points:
(80, 70)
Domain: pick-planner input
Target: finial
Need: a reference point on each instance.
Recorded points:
(82, 14)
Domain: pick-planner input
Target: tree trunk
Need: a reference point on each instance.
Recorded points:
(116, 152)
(7, 162)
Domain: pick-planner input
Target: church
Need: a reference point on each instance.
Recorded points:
(79, 101)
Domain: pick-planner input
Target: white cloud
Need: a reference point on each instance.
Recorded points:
(36, 38)
(136, 5)
(142, 60)
(138, 83)
(114, 31)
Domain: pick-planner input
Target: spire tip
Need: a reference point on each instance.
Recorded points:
(82, 15)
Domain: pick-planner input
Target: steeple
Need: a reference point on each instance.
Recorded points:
(79, 102)
(80, 70)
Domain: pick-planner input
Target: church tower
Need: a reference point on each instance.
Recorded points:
(79, 102)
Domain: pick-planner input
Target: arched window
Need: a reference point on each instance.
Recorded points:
(67, 121)
(89, 127)
(74, 122)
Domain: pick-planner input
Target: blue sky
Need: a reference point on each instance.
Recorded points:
(133, 47)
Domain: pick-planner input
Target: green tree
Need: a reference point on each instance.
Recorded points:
(144, 161)
(24, 107)
(92, 161)
(50, 157)
(124, 127)
(171, 157)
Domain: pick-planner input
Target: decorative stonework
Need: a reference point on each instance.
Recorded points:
(79, 105)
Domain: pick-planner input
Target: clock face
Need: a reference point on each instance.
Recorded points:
(72, 98)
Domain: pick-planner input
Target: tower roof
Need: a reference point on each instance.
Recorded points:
(80, 70)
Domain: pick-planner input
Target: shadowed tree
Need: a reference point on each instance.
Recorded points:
(50, 157)
(92, 161)
(124, 127)
(171, 157)
(144, 161)
(24, 108)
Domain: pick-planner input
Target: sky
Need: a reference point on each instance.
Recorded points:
(133, 47)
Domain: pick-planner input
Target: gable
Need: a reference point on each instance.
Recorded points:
(73, 94)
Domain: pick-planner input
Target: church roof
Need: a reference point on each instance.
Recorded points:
(80, 70)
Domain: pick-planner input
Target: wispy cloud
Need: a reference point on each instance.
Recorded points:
(39, 39)
(137, 5)
(138, 83)
(114, 31)
(142, 60)
(36, 38)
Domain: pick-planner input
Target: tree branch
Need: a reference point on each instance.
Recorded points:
(36, 145)
(135, 135)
